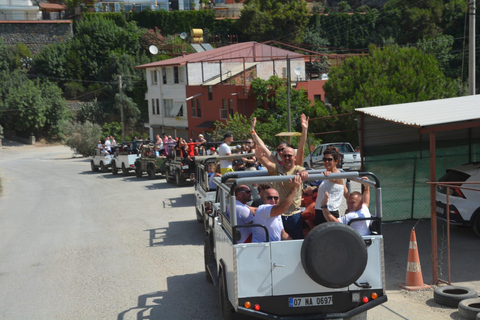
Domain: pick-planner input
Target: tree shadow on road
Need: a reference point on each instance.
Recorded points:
(177, 233)
(187, 296)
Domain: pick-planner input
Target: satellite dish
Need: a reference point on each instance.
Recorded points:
(183, 35)
(297, 71)
(153, 49)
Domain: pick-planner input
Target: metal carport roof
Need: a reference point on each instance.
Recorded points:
(428, 113)
(430, 117)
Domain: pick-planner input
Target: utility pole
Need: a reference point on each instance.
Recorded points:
(289, 123)
(121, 107)
(471, 49)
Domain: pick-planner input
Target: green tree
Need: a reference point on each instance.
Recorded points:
(284, 20)
(271, 109)
(387, 76)
(238, 125)
(422, 19)
(81, 137)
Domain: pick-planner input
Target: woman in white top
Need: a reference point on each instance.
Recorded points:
(335, 187)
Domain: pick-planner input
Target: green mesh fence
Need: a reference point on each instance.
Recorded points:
(403, 171)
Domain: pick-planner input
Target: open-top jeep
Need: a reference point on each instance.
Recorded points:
(149, 162)
(204, 195)
(100, 160)
(124, 159)
(179, 169)
(333, 273)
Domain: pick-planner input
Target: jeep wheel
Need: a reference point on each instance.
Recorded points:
(178, 179)
(225, 305)
(92, 166)
(209, 258)
(114, 168)
(103, 167)
(334, 255)
(199, 216)
(151, 172)
(476, 224)
(138, 171)
(124, 170)
(168, 176)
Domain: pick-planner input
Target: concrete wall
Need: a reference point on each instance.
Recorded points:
(35, 34)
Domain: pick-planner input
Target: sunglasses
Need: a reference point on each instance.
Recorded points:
(246, 191)
(307, 195)
(272, 198)
(287, 155)
(280, 149)
(327, 159)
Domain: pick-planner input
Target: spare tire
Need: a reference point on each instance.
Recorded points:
(451, 296)
(334, 255)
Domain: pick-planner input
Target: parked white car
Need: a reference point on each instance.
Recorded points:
(350, 159)
(464, 203)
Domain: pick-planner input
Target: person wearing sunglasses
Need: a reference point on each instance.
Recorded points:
(336, 187)
(282, 145)
(292, 219)
(268, 214)
(243, 194)
(357, 208)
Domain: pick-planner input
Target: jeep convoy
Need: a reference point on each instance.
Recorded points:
(333, 273)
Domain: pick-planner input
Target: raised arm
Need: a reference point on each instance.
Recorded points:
(303, 140)
(259, 141)
(280, 208)
(261, 155)
(366, 194)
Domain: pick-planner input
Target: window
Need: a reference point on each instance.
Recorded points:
(158, 106)
(167, 107)
(210, 93)
(153, 106)
(199, 109)
(181, 74)
(164, 75)
(175, 75)
(194, 108)
(230, 107)
(224, 111)
(154, 77)
(317, 97)
(180, 111)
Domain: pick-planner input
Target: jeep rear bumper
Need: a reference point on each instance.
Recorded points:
(314, 316)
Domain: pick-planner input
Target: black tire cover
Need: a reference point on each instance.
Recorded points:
(334, 255)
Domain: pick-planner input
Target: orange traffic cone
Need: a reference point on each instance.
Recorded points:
(414, 273)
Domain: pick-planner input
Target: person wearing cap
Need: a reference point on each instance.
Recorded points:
(224, 150)
(238, 165)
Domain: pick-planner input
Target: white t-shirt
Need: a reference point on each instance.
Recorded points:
(335, 195)
(274, 225)
(244, 216)
(360, 226)
(223, 150)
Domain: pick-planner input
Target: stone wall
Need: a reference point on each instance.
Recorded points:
(35, 34)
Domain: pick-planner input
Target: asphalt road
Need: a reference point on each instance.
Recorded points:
(81, 245)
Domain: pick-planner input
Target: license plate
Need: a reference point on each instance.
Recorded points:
(440, 210)
(310, 301)
(185, 166)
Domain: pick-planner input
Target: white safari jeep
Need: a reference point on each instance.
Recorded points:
(204, 195)
(334, 273)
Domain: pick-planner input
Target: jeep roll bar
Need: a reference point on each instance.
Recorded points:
(313, 175)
